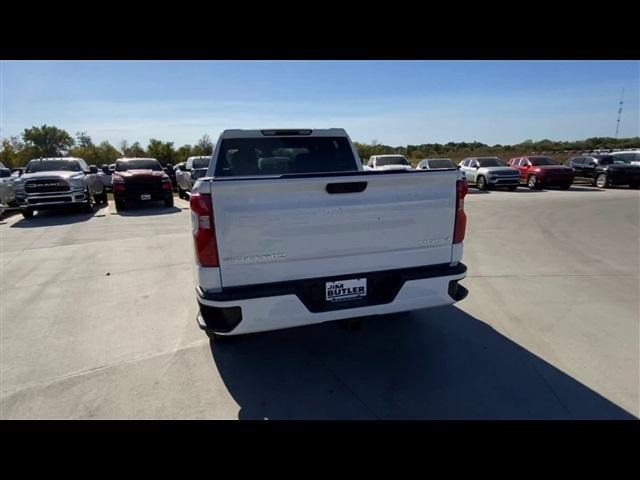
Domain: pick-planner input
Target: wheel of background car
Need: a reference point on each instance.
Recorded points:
(169, 202)
(565, 187)
(601, 180)
(180, 192)
(513, 187)
(120, 205)
(27, 213)
(481, 183)
(532, 181)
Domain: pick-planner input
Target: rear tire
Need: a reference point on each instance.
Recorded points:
(634, 185)
(27, 213)
(512, 188)
(565, 187)
(120, 205)
(180, 193)
(481, 183)
(168, 203)
(602, 181)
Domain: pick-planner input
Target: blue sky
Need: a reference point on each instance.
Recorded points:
(393, 102)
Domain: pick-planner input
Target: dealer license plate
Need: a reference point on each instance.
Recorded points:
(346, 289)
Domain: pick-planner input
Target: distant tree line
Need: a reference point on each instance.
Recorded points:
(49, 141)
(459, 150)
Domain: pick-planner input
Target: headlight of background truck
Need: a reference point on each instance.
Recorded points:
(77, 183)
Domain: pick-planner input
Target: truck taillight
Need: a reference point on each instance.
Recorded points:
(118, 184)
(462, 188)
(203, 228)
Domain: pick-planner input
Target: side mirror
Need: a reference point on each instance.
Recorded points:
(93, 169)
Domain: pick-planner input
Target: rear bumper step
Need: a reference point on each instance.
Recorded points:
(268, 307)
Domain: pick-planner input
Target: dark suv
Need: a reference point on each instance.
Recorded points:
(605, 170)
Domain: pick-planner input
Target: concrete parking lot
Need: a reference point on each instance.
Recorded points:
(98, 321)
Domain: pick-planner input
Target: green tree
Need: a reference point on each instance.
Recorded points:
(85, 149)
(161, 151)
(83, 140)
(134, 150)
(9, 155)
(106, 153)
(47, 141)
(204, 146)
(184, 152)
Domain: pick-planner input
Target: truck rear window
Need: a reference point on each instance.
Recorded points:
(282, 155)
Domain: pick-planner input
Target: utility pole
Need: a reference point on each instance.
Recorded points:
(619, 113)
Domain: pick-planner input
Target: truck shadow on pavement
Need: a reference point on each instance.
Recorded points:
(50, 218)
(431, 364)
(145, 210)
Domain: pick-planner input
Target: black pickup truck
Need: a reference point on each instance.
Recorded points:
(605, 170)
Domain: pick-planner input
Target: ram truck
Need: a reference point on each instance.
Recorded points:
(137, 180)
(289, 230)
(58, 183)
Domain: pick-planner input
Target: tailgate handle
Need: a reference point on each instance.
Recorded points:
(346, 187)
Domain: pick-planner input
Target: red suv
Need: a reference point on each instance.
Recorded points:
(538, 172)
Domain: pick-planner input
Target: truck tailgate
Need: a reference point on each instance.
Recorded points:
(278, 229)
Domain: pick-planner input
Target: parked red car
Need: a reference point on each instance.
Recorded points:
(538, 171)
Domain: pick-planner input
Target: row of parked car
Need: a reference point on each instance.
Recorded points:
(62, 182)
(51, 183)
(534, 171)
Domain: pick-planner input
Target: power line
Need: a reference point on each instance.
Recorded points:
(619, 113)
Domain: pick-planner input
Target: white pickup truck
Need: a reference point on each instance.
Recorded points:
(289, 230)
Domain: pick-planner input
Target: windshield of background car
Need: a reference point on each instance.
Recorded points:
(36, 166)
(537, 161)
(201, 162)
(491, 162)
(282, 155)
(138, 165)
(441, 164)
(384, 161)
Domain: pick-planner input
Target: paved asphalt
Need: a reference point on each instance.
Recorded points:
(98, 321)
